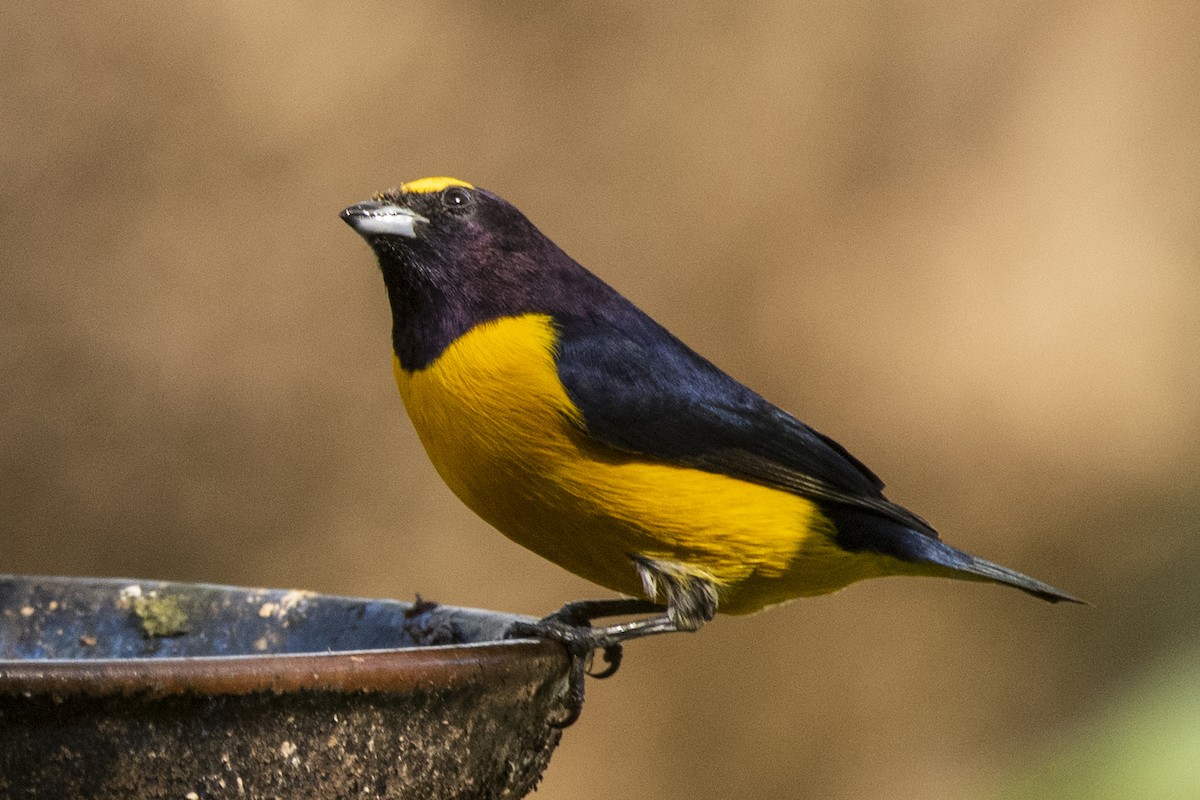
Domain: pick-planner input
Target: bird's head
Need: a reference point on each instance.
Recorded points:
(444, 234)
(453, 255)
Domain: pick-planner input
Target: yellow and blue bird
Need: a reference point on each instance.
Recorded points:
(583, 430)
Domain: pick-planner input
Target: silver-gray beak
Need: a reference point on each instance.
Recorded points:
(372, 218)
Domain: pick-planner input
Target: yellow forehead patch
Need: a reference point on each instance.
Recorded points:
(424, 185)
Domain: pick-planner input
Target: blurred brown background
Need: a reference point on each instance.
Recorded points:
(963, 239)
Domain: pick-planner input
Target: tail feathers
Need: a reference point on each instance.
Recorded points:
(989, 571)
(874, 533)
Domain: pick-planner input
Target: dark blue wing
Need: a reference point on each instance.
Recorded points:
(641, 390)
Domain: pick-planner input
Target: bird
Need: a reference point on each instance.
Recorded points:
(582, 429)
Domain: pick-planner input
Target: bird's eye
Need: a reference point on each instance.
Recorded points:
(456, 198)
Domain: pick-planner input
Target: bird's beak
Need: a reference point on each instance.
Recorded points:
(382, 219)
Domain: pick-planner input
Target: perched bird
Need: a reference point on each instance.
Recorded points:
(585, 431)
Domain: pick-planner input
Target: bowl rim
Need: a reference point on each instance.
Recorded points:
(398, 670)
(499, 663)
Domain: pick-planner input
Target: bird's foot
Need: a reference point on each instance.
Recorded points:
(691, 601)
(571, 626)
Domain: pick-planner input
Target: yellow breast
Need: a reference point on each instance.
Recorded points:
(503, 434)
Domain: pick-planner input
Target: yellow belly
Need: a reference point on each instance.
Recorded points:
(497, 425)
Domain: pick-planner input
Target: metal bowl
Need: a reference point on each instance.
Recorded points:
(122, 688)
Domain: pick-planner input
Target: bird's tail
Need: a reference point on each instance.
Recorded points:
(885, 536)
(973, 567)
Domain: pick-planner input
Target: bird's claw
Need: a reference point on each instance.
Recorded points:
(612, 658)
(571, 626)
(581, 641)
